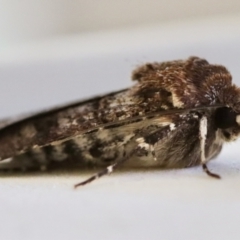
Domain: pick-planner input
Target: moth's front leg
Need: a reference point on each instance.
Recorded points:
(203, 135)
(148, 143)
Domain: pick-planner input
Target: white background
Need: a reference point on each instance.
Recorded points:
(27, 20)
(39, 71)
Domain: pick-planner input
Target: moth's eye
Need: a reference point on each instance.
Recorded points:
(225, 118)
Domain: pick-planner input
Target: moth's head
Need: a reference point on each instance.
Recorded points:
(228, 121)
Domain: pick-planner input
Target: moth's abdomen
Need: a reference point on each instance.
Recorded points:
(38, 158)
(83, 151)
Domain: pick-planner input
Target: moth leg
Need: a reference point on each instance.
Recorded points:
(105, 171)
(203, 135)
(146, 143)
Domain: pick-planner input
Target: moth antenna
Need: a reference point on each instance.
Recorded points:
(105, 171)
(203, 135)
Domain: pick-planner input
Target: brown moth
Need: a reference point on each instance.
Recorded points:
(177, 115)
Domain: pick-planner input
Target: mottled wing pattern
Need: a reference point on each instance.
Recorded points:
(95, 146)
(107, 127)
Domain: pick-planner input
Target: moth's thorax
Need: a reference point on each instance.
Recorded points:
(185, 84)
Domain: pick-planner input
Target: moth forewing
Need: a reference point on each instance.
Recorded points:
(178, 114)
(96, 146)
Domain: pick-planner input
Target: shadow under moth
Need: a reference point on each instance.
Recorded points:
(177, 115)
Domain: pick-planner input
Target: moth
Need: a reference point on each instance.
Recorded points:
(178, 114)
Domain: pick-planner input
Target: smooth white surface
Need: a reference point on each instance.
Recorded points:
(159, 204)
